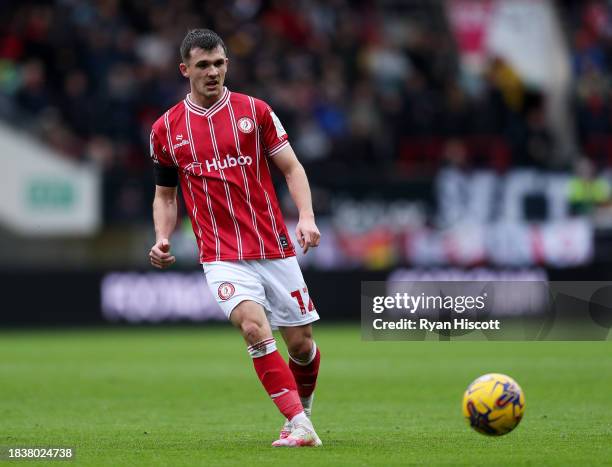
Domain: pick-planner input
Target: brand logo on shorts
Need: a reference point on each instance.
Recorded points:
(226, 290)
(246, 125)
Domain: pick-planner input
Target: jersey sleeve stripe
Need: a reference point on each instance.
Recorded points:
(278, 148)
(169, 138)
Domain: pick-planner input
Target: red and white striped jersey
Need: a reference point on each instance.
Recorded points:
(221, 154)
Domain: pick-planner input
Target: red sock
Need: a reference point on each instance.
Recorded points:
(276, 377)
(306, 375)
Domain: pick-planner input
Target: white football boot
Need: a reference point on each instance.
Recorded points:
(286, 429)
(303, 434)
(288, 426)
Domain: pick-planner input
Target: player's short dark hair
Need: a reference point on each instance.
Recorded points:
(202, 38)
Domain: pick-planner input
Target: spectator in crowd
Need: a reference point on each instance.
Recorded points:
(587, 191)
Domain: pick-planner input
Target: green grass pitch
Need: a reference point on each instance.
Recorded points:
(189, 396)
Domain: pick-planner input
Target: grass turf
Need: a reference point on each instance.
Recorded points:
(188, 396)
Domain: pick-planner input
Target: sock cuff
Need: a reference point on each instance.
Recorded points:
(299, 418)
(262, 348)
(311, 356)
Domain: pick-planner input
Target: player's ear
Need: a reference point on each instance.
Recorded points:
(184, 70)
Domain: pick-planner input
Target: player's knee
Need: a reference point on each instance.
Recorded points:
(252, 331)
(300, 348)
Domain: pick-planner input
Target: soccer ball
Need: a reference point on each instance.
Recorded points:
(493, 404)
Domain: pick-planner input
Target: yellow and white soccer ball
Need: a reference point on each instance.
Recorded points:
(494, 404)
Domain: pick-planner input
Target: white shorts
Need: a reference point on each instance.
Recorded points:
(276, 284)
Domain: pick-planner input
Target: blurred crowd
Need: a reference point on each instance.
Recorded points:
(357, 84)
(590, 28)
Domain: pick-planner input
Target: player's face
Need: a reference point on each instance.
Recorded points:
(206, 72)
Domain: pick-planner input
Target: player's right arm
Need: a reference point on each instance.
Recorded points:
(164, 219)
(164, 204)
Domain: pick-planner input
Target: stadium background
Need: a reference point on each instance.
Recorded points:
(455, 139)
(442, 137)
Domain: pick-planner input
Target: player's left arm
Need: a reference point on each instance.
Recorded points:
(307, 233)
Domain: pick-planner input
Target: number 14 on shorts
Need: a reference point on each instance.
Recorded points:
(297, 294)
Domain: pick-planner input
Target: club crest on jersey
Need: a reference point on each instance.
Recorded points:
(246, 125)
(226, 290)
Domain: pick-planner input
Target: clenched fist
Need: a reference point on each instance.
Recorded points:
(160, 254)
